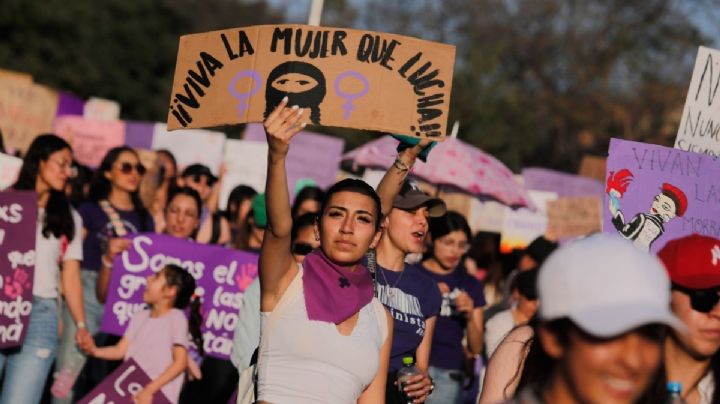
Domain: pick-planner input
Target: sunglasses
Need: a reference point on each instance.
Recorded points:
(127, 168)
(701, 300)
(302, 249)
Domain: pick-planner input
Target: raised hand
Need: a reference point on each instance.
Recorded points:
(281, 125)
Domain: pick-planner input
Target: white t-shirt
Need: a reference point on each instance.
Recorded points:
(496, 329)
(49, 254)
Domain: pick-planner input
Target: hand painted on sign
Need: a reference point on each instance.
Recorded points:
(15, 285)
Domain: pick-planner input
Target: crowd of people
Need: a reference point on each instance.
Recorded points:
(354, 284)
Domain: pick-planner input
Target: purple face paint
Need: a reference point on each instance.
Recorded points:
(244, 97)
(350, 97)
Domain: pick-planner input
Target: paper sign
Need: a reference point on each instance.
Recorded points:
(522, 226)
(100, 109)
(593, 167)
(655, 194)
(9, 170)
(246, 164)
(699, 129)
(343, 77)
(139, 135)
(90, 139)
(18, 219)
(571, 217)
(563, 184)
(191, 146)
(26, 111)
(311, 155)
(120, 386)
(222, 275)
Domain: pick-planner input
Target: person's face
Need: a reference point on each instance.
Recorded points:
(182, 217)
(526, 306)
(54, 172)
(613, 370)
(347, 227)
(407, 229)
(294, 83)
(308, 206)
(703, 329)
(200, 184)
(305, 236)
(125, 174)
(449, 249)
(156, 288)
(664, 206)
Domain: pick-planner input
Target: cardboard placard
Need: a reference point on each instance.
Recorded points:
(18, 221)
(682, 187)
(26, 111)
(90, 139)
(344, 77)
(570, 217)
(222, 275)
(593, 167)
(699, 129)
(9, 170)
(191, 146)
(120, 386)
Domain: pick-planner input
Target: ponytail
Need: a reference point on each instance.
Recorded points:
(194, 323)
(179, 278)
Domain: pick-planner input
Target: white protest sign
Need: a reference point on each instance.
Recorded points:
(190, 146)
(246, 164)
(9, 170)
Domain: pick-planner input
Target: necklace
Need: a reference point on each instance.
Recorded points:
(391, 288)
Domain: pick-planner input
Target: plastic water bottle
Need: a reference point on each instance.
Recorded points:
(66, 377)
(403, 374)
(674, 390)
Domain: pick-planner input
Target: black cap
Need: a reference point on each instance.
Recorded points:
(540, 249)
(198, 170)
(412, 197)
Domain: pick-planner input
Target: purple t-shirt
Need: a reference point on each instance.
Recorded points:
(411, 300)
(447, 350)
(99, 230)
(151, 342)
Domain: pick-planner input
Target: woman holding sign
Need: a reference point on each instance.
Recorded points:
(45, 170)
(325, 338)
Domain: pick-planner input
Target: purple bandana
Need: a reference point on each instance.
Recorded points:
(333, 293)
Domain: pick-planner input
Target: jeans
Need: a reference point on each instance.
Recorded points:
(27, 367)
(93, 316)
(448, 386)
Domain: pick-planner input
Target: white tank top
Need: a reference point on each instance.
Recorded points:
(307, 361)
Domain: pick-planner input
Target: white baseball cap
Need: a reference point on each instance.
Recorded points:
(606, 286)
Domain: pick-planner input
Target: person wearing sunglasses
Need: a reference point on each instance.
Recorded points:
(114, 209)
(461, 314)
(693, 359)
(214, 227)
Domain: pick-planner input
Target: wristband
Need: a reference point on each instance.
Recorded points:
(80, 324)
(106, 262)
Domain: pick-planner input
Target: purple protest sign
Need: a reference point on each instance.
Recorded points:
(69, 104)
(222, 275)
(121, 386)
(139, 135)
(563, 184)
(655, 194)
(312, 156)
(18, 219)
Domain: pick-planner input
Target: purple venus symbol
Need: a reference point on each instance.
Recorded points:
(244, 97)
(350, 97)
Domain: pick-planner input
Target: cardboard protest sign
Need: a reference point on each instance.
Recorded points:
(563, 184)
(312, 156)
(699, 129)
(570, 217)
(245, 164)
(120, 386)
(90, 139)
(18, 221)
(9, 170)
(26, 111)
(343, 77)
(654, 194)
(191, 146)
(222, 275)
(12, 74)
(593, 167)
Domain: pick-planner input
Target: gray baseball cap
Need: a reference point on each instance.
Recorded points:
(412, 197)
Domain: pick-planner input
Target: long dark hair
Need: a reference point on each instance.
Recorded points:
(58, 219)
(305, 194)
(179, 278)
(358, 186)
(100, 186)
(442, 226)
(239, 194)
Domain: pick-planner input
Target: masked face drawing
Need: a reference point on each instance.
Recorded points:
(302, 83)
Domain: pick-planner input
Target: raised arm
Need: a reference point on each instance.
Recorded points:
(395, 175)
(276, 261)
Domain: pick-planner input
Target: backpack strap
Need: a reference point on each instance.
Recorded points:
(114, 217)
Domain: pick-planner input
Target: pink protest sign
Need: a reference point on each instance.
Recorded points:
(121, 386)
(654, 194)
(221, 274)
(18, 218)
(90, 139)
